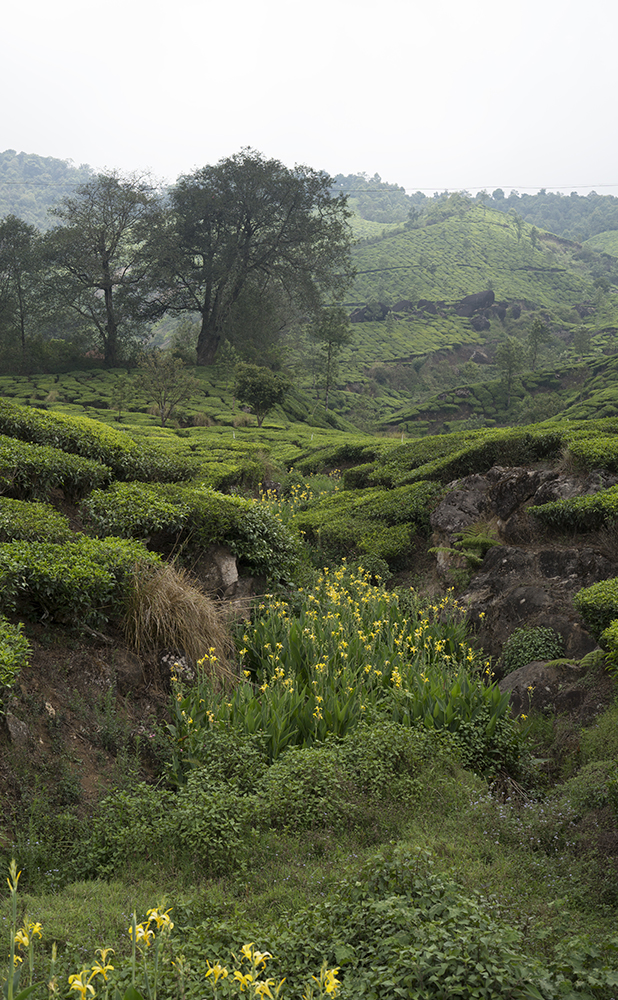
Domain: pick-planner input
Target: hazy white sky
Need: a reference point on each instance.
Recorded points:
(430, 94)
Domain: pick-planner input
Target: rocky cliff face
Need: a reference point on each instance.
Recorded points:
(529, 578)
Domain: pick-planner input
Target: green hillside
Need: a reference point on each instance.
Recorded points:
(31, 184)
(469, 252)
(604, 243)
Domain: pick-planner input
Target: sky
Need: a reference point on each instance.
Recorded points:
(432, 95)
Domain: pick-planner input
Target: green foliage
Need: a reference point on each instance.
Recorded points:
(32, 471)
(198, 516)
(164, 379)
(14, 652)
(579, 514)
(92, 440)
(599, 741)
(261, 388)
(348, 653)
(32, 522)
(533, 642)
(400, 931)
(86, 580)
(375, 521)
(598, 605)
(52, 177)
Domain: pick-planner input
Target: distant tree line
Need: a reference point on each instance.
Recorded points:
(573, 216)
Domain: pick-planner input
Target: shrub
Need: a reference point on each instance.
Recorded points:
(199, 516)
(377, 521)
(93, 440)
(598, 605)
(14, 652)
(532, 642)
(32, 522)
(579, 514)
(32, 471)
(86, 580)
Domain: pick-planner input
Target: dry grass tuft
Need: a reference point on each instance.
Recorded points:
(169, 611)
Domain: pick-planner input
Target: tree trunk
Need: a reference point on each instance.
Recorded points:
(111, 325)
(207, 343)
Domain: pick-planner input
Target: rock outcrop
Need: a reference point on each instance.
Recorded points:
(526, 579)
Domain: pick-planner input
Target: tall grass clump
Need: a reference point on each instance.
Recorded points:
(167, 610)
(347, 651)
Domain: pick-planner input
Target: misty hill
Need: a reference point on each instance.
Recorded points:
(31, 184)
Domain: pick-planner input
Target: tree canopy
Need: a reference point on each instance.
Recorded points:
(260, 388)
(251, 223)
(100, 254)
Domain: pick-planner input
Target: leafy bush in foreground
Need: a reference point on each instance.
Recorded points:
(86, 580)
(194, 515)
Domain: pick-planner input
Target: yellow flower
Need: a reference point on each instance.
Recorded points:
(243, 980)
(79, 983)
(100, 969)
(218, 971)
(21, 938)
(261, 988)
(159, 918)
(142, 935)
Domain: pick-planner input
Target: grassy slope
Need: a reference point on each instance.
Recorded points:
(468, 253)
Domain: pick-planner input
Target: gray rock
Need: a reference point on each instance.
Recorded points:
(19, 733)
(217, 570)
(545, 686)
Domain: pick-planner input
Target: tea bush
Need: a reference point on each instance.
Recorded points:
(532, 642)
(14, 652)
(32, 522)
(199, 516)
(92, 440)
(579, 514)
(86, 580)
(32, 471)
(598, 605)
(377, 521)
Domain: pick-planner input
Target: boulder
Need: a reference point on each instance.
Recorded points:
(217, 570)
(473, 303)
(524, 580)
(545, 686)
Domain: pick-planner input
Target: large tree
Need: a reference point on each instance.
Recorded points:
(249, 223)
(100, 255)
(20, 265)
